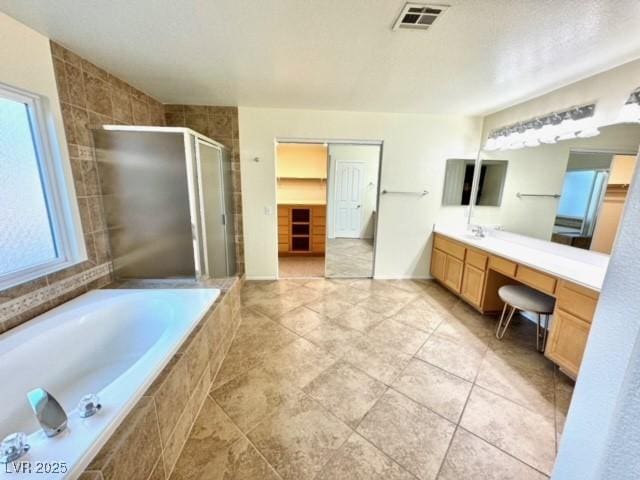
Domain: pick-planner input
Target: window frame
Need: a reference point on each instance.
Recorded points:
(58, 190)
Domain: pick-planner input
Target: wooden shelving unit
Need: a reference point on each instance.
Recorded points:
(301, 229)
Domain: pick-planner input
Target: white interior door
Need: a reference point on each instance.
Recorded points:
(348, 199)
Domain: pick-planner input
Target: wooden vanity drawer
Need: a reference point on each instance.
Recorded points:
(539, 281)
(454, 249)
(476, 259)
(503, 266)
(579, 301)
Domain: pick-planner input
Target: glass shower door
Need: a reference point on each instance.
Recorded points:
(212, 213)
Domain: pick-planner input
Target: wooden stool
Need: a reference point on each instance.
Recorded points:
(521, 297)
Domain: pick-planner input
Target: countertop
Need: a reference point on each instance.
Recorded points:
(306, 202)
(582, 267)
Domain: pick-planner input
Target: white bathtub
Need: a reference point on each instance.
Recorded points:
(109, 342)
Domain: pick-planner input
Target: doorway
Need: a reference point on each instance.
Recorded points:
(327, 195)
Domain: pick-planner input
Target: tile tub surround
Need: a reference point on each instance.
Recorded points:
(150, 439)
(310, 390)
(88, 95)
(220, 124)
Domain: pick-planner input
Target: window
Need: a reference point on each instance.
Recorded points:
(39, 232)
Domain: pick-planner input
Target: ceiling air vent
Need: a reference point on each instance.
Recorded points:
(419, 16)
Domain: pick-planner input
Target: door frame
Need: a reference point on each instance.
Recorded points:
(328, 141)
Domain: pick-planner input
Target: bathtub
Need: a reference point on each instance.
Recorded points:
(109, 342)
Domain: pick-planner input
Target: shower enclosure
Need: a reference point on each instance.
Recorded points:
(167, 199)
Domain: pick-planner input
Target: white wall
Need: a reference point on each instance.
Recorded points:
(609, 89)
(26, 63)
(414, 154)
(370, 156)
(601, 437)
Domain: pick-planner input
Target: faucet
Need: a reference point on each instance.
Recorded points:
(48, 411)
(478, 231)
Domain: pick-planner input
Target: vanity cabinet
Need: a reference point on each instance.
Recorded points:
(575, 307)
(472, 284)
(476, 275)
(453, 273)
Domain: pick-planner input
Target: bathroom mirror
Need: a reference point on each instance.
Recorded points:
(459, 177)
(571, 192)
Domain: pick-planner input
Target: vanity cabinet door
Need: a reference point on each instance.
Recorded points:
(567, 340)
(453, 273)
(438, 260)
(472, 283)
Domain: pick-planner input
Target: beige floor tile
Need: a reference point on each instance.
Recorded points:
(238, 461)
(398, 335)
(376, 359)
(524, 377)
(420, 314)
(409, 433)
(526, 435)
(274, 306)
(385, 306)
(359, 460)
(346, 391)
(301, 320)
(251, 396)
(351, 295)
(471, 332)
(411, 286)
(300, 267)
(470, 457)
(302, 295)
(257, 335)
(461, 359)
(278, 287)
(299, 439)
(212, 433)
(359, 318)
(385, 289)
(333, 338)
(432, 387)
(323, 285)
(440, 296)
(298, 363)
(564, 392)
(328, 306)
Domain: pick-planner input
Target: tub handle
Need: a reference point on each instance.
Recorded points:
(13, 447)
(89, 405)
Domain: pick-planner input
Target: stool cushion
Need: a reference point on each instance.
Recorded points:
(527, 299)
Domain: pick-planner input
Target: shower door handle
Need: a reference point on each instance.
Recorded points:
(224, 219)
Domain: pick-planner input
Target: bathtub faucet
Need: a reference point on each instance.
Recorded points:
(48, 411)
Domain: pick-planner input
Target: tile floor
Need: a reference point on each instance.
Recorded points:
(363, 379)
(300, 267)
(349, 258)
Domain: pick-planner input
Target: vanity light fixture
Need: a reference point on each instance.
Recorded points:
(551, 128)
(630, 112)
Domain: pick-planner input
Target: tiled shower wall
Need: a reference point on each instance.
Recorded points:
(88, 95)
(220, 124)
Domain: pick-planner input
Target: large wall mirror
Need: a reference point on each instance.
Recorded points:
(571, 192)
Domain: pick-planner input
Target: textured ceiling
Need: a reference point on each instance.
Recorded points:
(482, 55)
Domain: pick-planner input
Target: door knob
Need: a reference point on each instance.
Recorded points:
(358, 206)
